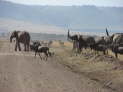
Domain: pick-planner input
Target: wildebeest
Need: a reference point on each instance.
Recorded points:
(96, 43)
(116, 42)
(34, 45)
(99, 47)
(81, 43)
(74, 39)
(116, 38)
(99, 44)
(78, 42)
(38, 48)
(44, 50)
(117, 49)
(21, 37)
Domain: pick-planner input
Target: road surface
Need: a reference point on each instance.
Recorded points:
(21, 72)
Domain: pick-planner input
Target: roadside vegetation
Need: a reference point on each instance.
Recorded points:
(104, 69)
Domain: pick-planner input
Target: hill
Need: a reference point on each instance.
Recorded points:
(74, 17)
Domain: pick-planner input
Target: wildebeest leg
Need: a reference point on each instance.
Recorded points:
(76, 51)
(96, 52)
(46, 54)
(35, 54)
(116, 55)
(40, 56)
(107, 52)
(104, 52)
(81, 50)
(73, 45)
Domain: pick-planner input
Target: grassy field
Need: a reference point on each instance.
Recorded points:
(106, 70)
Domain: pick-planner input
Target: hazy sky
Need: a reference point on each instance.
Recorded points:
(72, 2)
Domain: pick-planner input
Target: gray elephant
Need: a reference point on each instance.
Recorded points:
(21, 37)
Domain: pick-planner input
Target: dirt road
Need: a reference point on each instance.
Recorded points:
(21, 72)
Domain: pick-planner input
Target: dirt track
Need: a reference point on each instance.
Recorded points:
(21, 72)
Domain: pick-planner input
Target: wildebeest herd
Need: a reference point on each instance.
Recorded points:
(113, 42)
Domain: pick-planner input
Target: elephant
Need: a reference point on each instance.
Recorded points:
(21, 37)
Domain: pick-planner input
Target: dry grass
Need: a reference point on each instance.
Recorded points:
(1, 43)
(103, 69)
(119, 56)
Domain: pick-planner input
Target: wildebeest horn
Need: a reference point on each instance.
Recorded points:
(107, 32)
(68, 34)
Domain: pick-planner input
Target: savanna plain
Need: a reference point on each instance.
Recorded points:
(63, 72)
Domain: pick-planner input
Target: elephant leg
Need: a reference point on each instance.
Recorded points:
(16, 47)
(27, 47)
(24, 47)
(19, 47)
